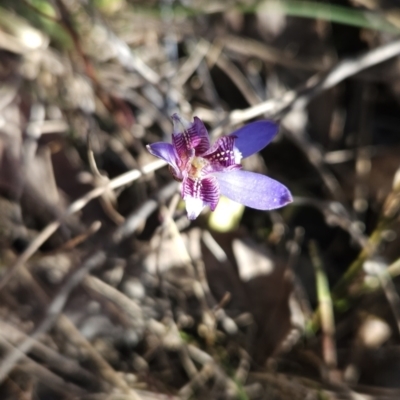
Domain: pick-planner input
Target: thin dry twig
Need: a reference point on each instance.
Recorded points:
(128, 306)
(72, 335)
(317, 84)
(254, 48)
(52, 312)
(108, 199)
(191, 64)
(139, 216)
(237, 78)
(336, 215)
(210, 369)
(42, 373)
(76, 206)
(51, 358)
(75, 241)
(382, 273)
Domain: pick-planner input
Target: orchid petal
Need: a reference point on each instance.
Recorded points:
(166, 151)
(199, 131)
(253, 190)
(222, 154)
(199, 193)
(208, 171)
(188, 136)
(253, 137)
(194, 206)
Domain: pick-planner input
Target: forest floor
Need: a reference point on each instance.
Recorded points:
(108, 291)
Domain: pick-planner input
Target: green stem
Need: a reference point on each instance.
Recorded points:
(334, 13)
(295, 8)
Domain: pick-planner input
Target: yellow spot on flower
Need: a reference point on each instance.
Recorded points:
(197, 164)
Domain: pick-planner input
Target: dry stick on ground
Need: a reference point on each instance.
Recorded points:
(316, 158)
(77, 240)
(21, 394)
(209, 370)
(169, 223)
(236, 76)
(198, 381)
(132, 62)
(317, 84)
(68, 329)
(144, 395)
(76, 206)
(391, 209)
(167, 214)
(197, 236)
(141, 102)
(52, 312)
(299, 304)
(51, 358)
(269, 54)
(191, 64)
(210, 91)
(128, 306)
(139, 216)
(108, 199)
(40, 372)
(290, 386)
(243, 368)
(72, 335)
(207, 327)
(380, 271)
(363, 137)
(335, 214)
(200, 287)
(127, 58)
(394, 269)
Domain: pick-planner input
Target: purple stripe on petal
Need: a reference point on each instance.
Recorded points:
(182, 147)
(210, 191)
(199, 135)
(253, 137)
(253, 190)
(199, 193)
(222, 154)
(188, 136)
(166, 151)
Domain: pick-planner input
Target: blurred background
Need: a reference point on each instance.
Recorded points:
(108, 291)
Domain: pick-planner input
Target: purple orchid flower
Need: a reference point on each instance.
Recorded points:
(208, 171)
